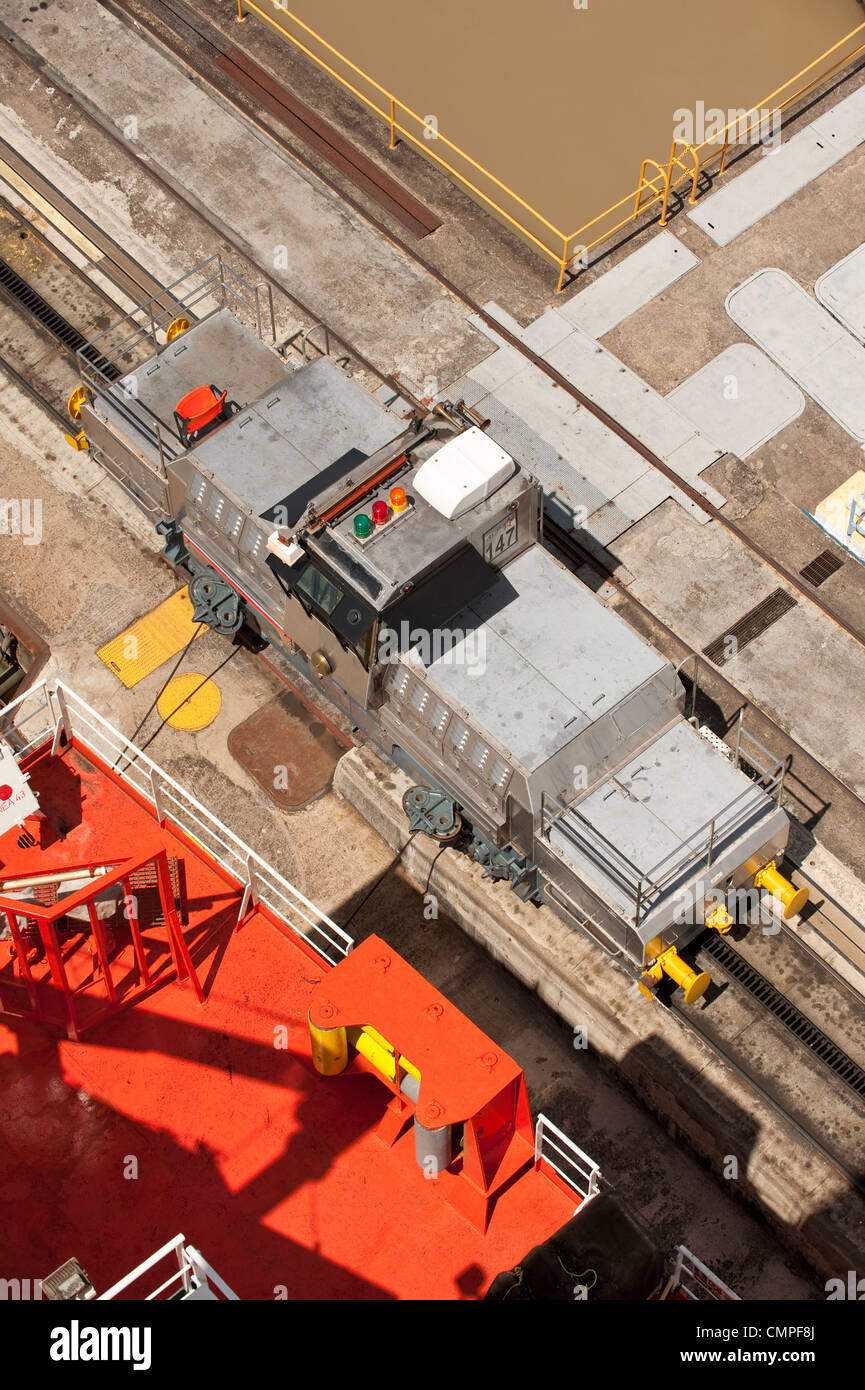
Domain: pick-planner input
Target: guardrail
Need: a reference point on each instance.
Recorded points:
(574, 1167)
(648, 885)
(48, 711)
(193, 1272)
(656, 183)
(128, 342)
(691, 1279)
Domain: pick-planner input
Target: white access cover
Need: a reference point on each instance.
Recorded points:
(16, 798)
(463, 473)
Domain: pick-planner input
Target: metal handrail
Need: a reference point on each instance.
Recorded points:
(215, 281)
(193, 1271)
(695, 1280)
(580, 1172)
(647, 886)
(661, 184)
(723, 139)
(68, 713)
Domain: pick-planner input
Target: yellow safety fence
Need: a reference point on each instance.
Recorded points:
(656, 182)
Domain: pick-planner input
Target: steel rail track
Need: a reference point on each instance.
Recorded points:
(13, 374)
(33, 231)
(117, 265)
(775, 1002)
(831, 921)
(228, 92)
(691, 1019)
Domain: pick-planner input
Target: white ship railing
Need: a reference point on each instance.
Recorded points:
(50, 709)
(695, 1280)
(566, 1158)
(192, 1273)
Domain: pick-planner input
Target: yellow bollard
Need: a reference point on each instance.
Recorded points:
(329, 1048)
(669, 962)
(794, 899)
(375, 1049)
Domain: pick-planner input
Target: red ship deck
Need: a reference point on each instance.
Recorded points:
(274, 1172)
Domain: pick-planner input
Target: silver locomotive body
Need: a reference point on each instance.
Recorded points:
(396, 560)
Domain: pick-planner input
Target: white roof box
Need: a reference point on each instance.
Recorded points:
(463, 473)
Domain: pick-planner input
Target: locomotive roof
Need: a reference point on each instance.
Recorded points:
(310, 430)
(546, 659)
(637, 824)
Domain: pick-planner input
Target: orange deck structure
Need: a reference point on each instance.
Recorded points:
(210, 1116)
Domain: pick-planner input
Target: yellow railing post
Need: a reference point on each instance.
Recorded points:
(392, 123)
(563, 266)
(240, 15)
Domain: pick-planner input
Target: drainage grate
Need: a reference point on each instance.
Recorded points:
(828, 1052)
(767, 612)
(56, 324)
(821, 568)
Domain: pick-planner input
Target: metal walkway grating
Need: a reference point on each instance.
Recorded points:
(820, 569)
(778, 1004)
(755, 622)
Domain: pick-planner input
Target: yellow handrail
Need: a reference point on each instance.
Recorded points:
(662, 183)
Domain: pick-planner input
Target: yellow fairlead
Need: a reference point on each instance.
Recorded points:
(76, 400)
(794, 899)
(669, 962)
(175, 328)
(720, 920)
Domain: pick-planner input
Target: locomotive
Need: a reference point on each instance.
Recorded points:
(396, 556)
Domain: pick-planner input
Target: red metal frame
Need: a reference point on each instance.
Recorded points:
(46, 917)
(466, 1079)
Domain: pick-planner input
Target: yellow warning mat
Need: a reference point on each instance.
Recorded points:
(151, 640)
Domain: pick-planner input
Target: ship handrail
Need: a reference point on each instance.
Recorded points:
(65, 712)
(692, 1279)
(580, 1172)
(193, 1271)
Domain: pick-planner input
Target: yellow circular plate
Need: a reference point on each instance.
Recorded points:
(196, 710)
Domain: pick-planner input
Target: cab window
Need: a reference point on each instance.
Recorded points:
(321, 591)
